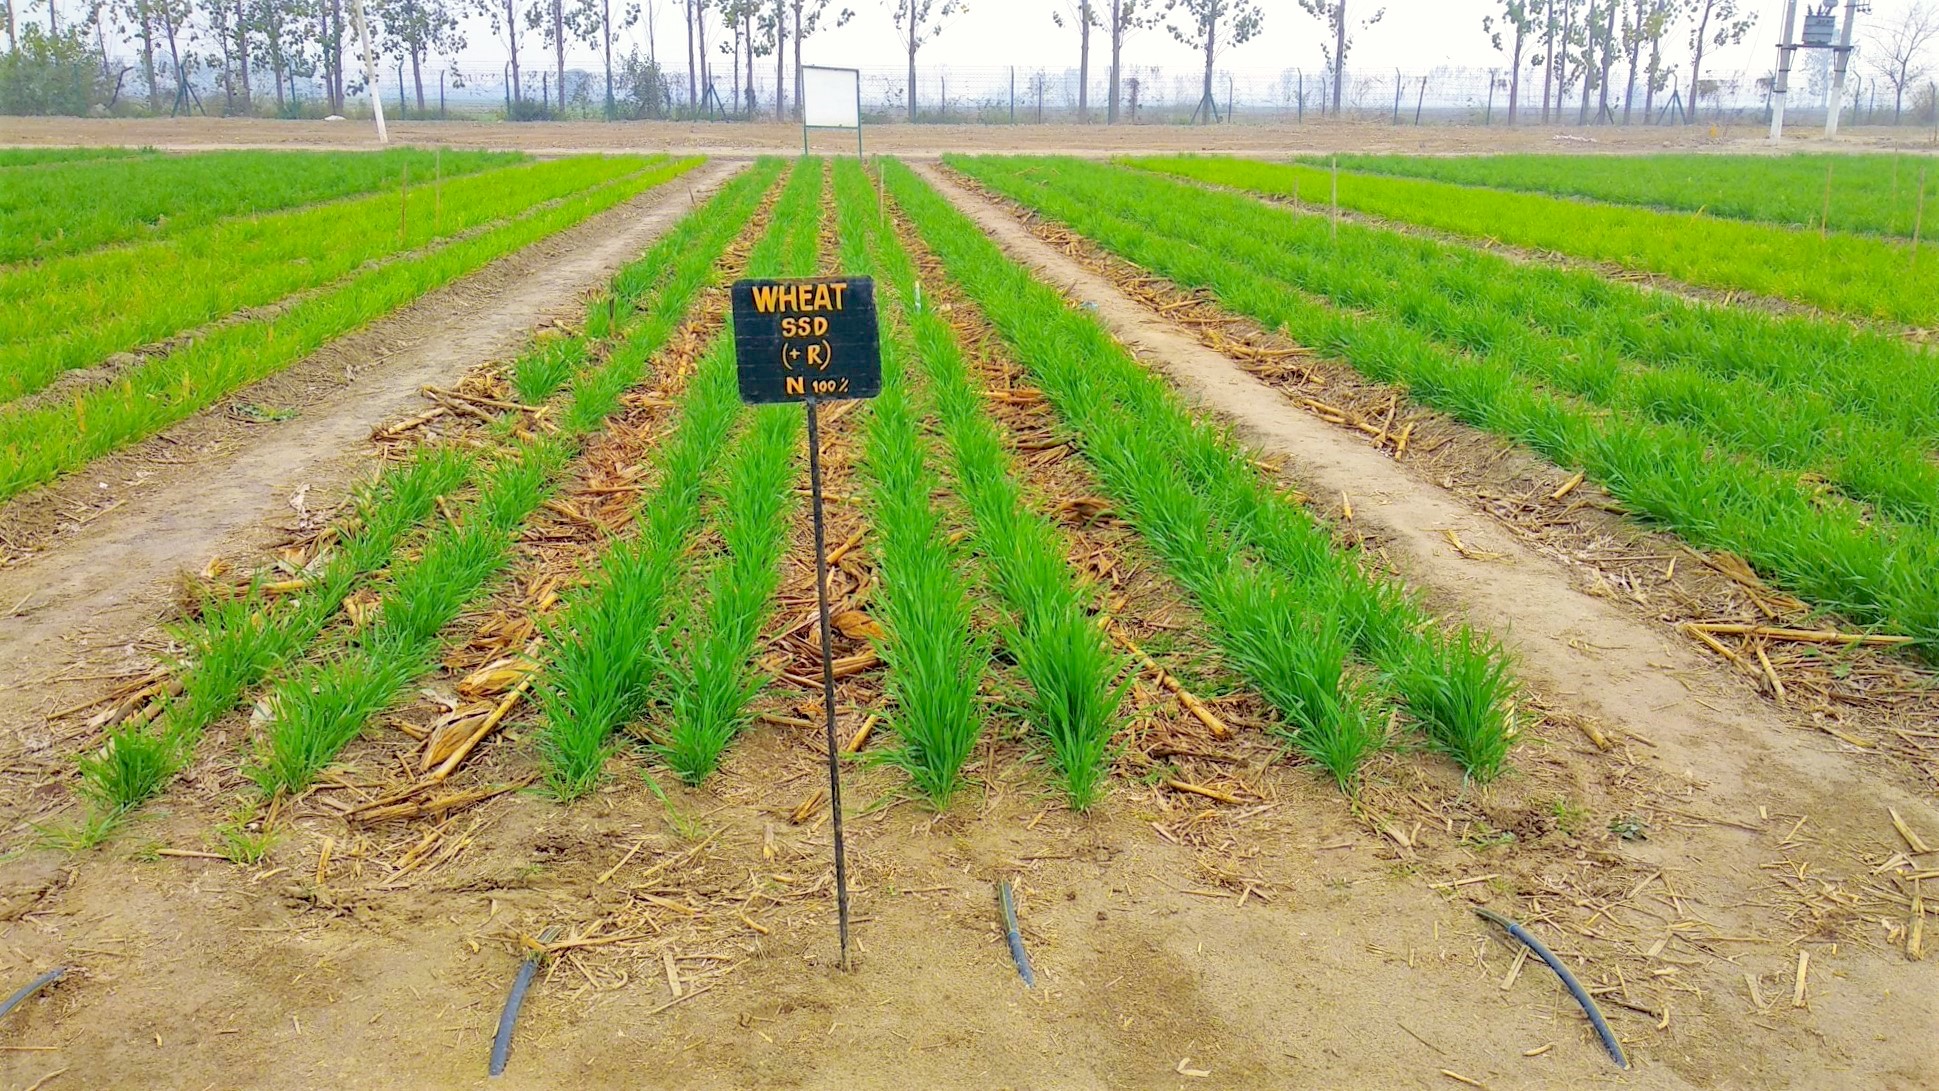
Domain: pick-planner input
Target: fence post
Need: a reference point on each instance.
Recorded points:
(1013, 94)
(1228, 99)
(1397, 82)
(440, 94)
(1489, 117)
(1420, 101)
(1302, 94)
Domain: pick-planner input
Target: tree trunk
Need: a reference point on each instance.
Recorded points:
(417, 75)
(334, 57)
(706, 73)
(913, 41)
(1548, 65)
(1562, 77)
(1117, 61)
(798, 106)
(606, 32)
(511, 31)
(1608, 60)
(693, 73)
(147, 33)
(1205, 101)
(174, 56)
(1649, 87)
(559, 47)
(1339, 54)
(780, 59)
(242, 51)
(1084, 62)
(1696, 62)
(1635, 54)
(1515, 77)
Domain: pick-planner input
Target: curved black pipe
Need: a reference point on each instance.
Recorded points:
(33, 987)
(501, 1043)
(1017, 954)
(1576, 990)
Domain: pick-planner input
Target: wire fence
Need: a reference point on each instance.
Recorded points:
(1004, 95)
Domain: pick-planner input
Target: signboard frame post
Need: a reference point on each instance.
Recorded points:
(812, 340)
(806, 113)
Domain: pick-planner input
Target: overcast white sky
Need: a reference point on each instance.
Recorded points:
(1415, 35)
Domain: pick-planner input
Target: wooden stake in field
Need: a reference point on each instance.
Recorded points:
(1824, 218)
(807, 341)
(1919, 217)
(1336, 198)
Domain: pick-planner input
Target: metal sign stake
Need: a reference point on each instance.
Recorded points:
(828, 675)
(812, 340)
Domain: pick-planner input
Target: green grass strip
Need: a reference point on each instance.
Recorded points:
(601, 666)
(238, 643)
(73, 312)
(1287, 607)
(936, 661)
(1874, 194)
(1829, 553)
(120, 196)
(1850, 274)
(38, 445)
(707, 657)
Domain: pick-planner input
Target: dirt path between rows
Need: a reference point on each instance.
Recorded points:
(215, 484)
(1599, 659)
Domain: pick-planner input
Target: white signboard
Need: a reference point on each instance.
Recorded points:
(831, 98)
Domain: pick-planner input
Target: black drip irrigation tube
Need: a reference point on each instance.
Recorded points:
(1008, 902)
(501, 1042)
(1576, 990)
(32, 987)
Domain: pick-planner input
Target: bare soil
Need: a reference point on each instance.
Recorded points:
(1295, 938)
(921, 141)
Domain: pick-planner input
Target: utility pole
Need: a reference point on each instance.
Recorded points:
(1843, 63)
(370, 68)
(1782, 84)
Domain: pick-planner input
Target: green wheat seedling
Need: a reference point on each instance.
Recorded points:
(1876, 194)
(1180, 482)
(40, 443)
(75, 311)
(1075, 684)
(1850, 274)
(236, 643)
(935, 661)
(707, 654)
(710, 676)
(86, 201)
(1834, 554)
(1788, 416)
(601, 668)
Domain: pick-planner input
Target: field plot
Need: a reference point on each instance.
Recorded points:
(1860, 276)
(73, 203)
(327, 270)
(1725, 427)
(542, 696)
(1872, 194)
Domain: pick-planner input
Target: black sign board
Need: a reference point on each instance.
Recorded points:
(801, 339)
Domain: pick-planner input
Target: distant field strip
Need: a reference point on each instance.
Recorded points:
(38, 444)
(1871, 194)
(1865, 277)
(1707, 443)
(75, 205)
(73, 312)
(34, 157)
